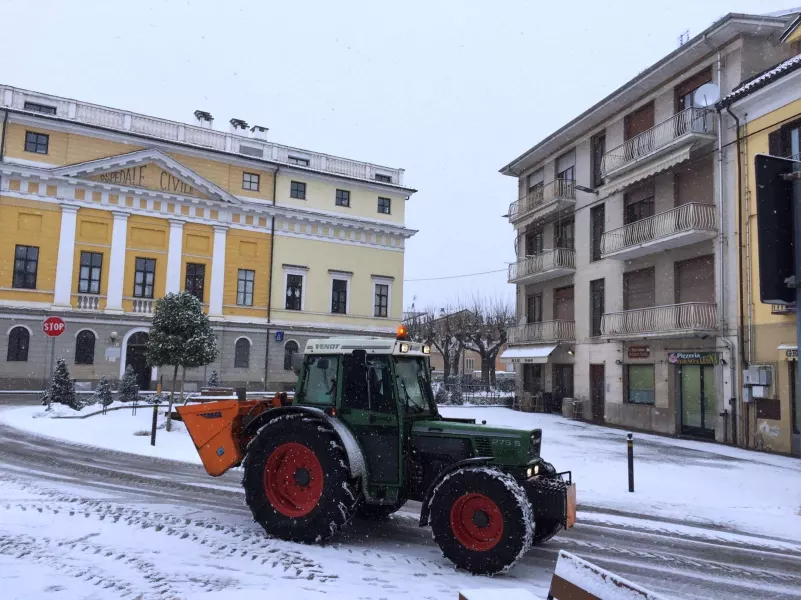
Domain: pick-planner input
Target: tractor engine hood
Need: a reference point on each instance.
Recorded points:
(506, 444)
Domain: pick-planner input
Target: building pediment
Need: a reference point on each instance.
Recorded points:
(147, 169)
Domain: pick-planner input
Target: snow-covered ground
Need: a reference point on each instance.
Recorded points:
(684, 480)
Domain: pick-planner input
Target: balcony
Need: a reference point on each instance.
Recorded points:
(544, 331)
(544, 201)
(677, 133)
(141, 306)
(541, 267)
(88, 302)
(680, 226)
(675, 320)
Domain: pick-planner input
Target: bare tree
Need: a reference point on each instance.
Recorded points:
(484, 331)
(440, 329)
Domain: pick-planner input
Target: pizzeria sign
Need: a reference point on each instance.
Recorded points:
(693, 358)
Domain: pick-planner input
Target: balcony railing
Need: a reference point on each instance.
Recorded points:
(87, 301)
(142, 306)
(544, 331)
(684, 123)
(661, 320)
(782, 309)
(686, 218)
(558, 189)
(204, 137)
(558, 259)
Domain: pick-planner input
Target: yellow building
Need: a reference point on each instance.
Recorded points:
(767, 109)
(103, 211)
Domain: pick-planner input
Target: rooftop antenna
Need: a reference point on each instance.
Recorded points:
(684, 37)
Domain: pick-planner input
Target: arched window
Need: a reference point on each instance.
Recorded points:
(19, 340)
(242, 353)
(290, 349)
(85, 348)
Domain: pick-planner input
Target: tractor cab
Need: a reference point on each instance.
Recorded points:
(379, 388)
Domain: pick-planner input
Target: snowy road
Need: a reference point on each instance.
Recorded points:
(100, 524)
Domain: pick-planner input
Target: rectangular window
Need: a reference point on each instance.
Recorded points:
(144, 275)
(536, 180)
(244, 287)
(297, 160)
(384, 205)
(339, 296)
(381, 304)
(297, 189)
(639, 203)
(563, 304)
(250, 181)
(26, 263)
(598, 145)
(534, 308)
(36, 142)
(195, 280)
(685, 91)
(637, 122)
(343, 198)
(294, 291)
(383, 178)
(640, 384)
(89, 275)
(534, 242)
(469, 364)
(566, 166)
(638, 289)
(41, 108)
(565, 235)
(597, 226)
(597, 294)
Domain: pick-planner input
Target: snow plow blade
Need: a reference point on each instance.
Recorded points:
(216, 430)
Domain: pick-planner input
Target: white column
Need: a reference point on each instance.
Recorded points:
(116, 267)
(174, 253)
(66, 255)
(217, 272)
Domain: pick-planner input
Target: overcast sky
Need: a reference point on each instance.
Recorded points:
(450, 91)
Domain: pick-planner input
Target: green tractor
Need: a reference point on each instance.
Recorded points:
(363, 436)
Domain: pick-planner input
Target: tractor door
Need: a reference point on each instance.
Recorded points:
(369, 408)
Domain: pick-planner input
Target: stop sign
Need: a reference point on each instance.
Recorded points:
(53, 326)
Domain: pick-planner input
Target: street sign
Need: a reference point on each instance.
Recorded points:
(279, 336)
(53, 326)
(774, 198)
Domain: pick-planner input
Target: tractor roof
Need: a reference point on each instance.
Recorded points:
(371, 345)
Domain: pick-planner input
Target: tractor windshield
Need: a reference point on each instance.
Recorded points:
(414, 389)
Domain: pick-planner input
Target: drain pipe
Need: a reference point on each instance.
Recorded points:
(722, 241)
(270, 285)
(3, 144)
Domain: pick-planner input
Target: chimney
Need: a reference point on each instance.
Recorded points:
(238, 126)
(258, 132)
(204, 119)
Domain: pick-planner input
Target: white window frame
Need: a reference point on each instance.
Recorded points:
(470, 364)
(303, 272)
(341, 276)
(387, 281)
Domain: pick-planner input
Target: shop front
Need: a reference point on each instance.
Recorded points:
(696, 392)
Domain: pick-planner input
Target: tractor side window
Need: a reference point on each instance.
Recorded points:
(320, 385)
(354, 384)
(380, 382)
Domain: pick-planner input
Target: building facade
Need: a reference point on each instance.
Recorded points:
(627, 262)
(766, 112)
(103, 211)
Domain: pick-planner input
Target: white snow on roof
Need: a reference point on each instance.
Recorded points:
(767, 75)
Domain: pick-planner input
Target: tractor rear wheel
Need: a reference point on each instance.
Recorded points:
(481, 520)
(297, 483)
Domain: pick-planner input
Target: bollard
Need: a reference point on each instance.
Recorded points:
(630, 444)
(155, 413)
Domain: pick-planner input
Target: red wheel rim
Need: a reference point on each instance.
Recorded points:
(293, 480)
(476, 522)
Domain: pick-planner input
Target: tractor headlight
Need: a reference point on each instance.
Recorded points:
(529, 472)
(404, 348)
(533, 471)
(426, 349)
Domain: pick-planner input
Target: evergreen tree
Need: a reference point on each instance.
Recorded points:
(62, 390)
(129, 389)
(103, 392)
(181, 336)
(214, 380)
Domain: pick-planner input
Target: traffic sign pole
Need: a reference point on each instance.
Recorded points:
(797, 250)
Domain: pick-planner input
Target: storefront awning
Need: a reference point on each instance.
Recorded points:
(527, 354)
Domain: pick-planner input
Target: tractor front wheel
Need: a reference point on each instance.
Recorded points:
(481, 519)
(297, 483)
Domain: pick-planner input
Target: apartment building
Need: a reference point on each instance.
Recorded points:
(103, 211)
(765, 111)
(627, 273)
